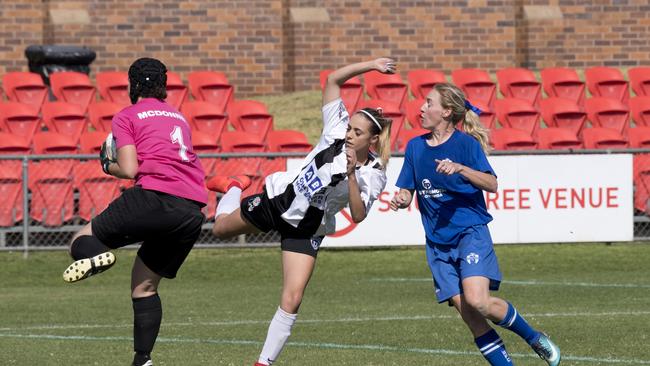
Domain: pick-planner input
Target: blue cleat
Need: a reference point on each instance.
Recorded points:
(547, 350)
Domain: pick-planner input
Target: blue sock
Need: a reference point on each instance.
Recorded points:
(493, 349)
(516, 323)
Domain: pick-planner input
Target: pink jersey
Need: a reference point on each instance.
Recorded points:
(162, 139)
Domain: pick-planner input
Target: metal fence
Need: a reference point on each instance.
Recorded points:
(63, 192)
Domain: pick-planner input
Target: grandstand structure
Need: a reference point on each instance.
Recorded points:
(580, 86)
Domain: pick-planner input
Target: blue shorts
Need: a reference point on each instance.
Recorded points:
(473, 255)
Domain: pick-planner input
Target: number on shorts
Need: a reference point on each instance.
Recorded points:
(177, 137)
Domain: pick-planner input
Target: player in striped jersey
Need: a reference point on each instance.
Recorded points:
(341, 170)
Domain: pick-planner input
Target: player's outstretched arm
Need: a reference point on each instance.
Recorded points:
(339, 76)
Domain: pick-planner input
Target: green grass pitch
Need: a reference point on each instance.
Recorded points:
(363, 307)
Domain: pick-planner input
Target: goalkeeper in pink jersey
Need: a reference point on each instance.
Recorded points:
(153, 146)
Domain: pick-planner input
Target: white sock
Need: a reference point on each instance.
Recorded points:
(279, 331)
(229, 202)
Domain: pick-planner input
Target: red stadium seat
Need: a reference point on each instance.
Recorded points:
(565, 113)
(25, 87)
(101, 115)
(388, 87)
(390, 110)
(250, 116)
(555, 138)
(91, 142)
(113, 87)
(288, 141)
(639, 137)
(603, 138)
(96, 189)
(640, 80)
(65, 118)
(73, 87)
(11, 194)
(351, 90)
(406, 135)
(642, 182)
(51, 180)
(640, 108)
(607, 82)
(519, 114)
(13, 144)
(413, 112)
(205, 143)
(242, 142)
(212, 87)
(11, 179)
(560, 82)
(422, 81)
(607, 112)
(476, 84)
(19, 119)
(176, 90)
(519, 83)
(206, 117)
(511, 139)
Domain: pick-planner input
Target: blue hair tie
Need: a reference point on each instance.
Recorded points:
(472, 108)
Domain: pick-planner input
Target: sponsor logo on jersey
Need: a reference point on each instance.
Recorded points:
(429, 192)
(308, 183)
(472, 258)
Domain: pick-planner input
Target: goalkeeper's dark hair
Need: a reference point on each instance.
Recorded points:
(148, 79)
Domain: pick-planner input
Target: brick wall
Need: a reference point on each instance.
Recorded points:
(21, 25)
(590, 33)
(271, 46)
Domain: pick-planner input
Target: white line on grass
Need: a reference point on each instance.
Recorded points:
(525, 282)
(314, 321)
(367, 347)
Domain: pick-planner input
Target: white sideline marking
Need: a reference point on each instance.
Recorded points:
(369, 347)
(525, 282)
(314, 321)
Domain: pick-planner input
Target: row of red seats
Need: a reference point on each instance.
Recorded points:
(72, 120)
(90, 142)
(76, 88)
(213, 86)
(513, 83)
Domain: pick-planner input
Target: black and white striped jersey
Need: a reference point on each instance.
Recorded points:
(372, 180)
(300, 196)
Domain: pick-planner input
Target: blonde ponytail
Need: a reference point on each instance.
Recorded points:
(473, 127)
(383, 144)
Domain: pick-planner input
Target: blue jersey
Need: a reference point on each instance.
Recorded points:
(448, 204)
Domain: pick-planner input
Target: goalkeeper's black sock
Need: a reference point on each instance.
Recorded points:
(87, 246)
(140, 359)
(147, 315)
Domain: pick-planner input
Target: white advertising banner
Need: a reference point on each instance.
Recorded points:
(541, 198)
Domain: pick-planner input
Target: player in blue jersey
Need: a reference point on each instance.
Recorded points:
(449, 170)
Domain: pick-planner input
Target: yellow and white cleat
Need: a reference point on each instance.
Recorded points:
(84, 268)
